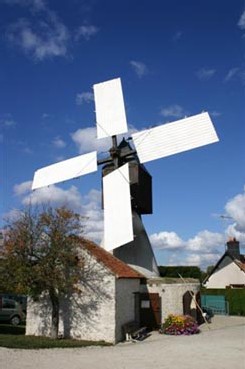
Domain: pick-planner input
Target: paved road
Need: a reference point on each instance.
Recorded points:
(220, 345)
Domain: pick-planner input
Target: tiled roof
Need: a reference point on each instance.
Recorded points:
(116, 266)
(240, 263)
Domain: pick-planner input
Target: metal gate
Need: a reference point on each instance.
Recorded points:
(150, 310)
(217, 304)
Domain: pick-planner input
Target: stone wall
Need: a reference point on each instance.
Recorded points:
(171, 295)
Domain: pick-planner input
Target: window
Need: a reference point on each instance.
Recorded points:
(8, 304)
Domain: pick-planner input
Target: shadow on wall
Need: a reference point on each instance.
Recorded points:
(79, 307)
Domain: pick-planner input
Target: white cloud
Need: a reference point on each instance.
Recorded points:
(230, 74)
(40, 39)
(46, 116)
(54, 194)
(235, 74)
(205, 248)
(86, 140)
(139, 68)
(7, 121)
(201, 260)
(166, 241)
(241, 22)
(86, 32)
(174, 110)
(22, 188)
(89, 206)
(205, 74)
(215, 113)
(206, 242)
(232, 231)
(235, 208)
(43, 35)
(58, 143)
(94, 226)
(84, 97)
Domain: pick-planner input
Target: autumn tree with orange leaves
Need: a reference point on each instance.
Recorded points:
(40, 256)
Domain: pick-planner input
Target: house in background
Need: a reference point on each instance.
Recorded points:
(229, 270)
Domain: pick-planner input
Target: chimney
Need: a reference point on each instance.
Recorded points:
(233, 248)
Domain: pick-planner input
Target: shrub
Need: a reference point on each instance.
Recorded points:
(180, 325)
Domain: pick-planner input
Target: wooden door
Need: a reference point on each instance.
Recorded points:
(150, 310)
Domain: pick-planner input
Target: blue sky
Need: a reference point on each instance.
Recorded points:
(175, 58)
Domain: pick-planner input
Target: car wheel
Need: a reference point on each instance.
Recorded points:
(15, 320)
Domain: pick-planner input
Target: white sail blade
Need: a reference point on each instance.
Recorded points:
(172, 138)
(118, 227)
(109, 106)
(64, 170)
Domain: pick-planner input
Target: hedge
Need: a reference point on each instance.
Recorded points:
(235, 298)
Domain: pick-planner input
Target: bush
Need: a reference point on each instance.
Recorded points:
(184, 271)
(180, 325)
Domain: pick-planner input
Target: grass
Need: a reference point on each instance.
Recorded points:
(14, 337)
(12, 329)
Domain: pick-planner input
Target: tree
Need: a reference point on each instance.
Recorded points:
(41, 256)
(184, 271)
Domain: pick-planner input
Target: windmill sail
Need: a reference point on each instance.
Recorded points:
(118, 228)
(172, 138)
(64, 170)
(168, 139)
(109, 108)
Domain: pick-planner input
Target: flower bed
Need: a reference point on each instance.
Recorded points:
(179, 325)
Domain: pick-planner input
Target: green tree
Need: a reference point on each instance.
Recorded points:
(184, 271)
(40, 255)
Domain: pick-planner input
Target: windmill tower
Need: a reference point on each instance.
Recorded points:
(126, 182)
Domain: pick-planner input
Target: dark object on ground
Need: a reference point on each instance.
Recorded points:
(207, 314)
(133, 333)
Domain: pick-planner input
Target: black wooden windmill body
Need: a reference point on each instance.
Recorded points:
(127, 190)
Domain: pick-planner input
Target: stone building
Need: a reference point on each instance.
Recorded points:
(106, 302)
(112, 294)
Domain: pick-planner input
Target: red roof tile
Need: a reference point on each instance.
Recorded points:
(116, 266)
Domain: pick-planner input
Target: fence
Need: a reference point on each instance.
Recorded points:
(217, 304)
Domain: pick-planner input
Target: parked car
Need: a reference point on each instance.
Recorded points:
(11, 311)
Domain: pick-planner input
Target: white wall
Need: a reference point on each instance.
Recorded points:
(227, 273)
(97, 313)
(125, 303)
(89, 315)
(93, 313)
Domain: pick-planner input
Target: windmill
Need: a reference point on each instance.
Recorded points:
(126, 183)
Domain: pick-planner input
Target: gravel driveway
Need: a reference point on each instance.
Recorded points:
(220, 345)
